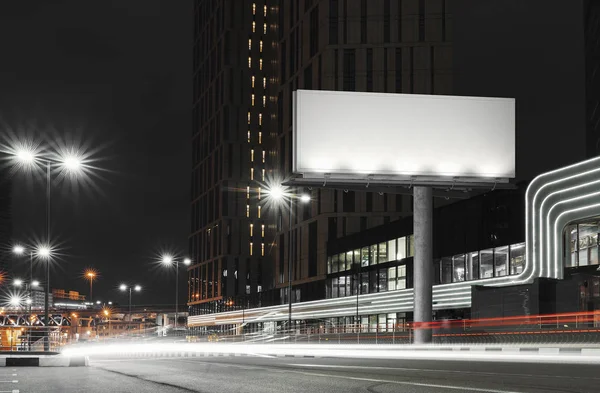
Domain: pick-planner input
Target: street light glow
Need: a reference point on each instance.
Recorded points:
(167, 259)
(123, 287)
(15, 301)
(18, 282)
(305, 198)
(19, 250)
(28, 301)
(71, 163)
(138, 288)
(43, 251)
(25, 156)
(35, 283)
(187, 261)
(276, 192)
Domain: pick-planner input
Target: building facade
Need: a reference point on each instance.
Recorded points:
(235, 84)
(591, 16)
(249, 56)
(394, 46)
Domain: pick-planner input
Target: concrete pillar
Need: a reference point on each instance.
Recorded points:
(423, 261)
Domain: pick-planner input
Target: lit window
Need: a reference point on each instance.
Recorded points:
(247, 210)
(251, 248)
(262, 249)
(260, 119)
(259, 193)
(253, 8)
(247, 192)
(260, 46)
(262, 230)
(248, 117)
(248, 136)
(251, 173)
(252, 155)
(249, 62)
(259, 137)
(253, 26)
(250, 44)
(252, 99)
(264, 28)
(265, 10)
(258, 211)
(251, 230)
(264, 82)
(263, 174)
(264, 156)
(264, 101)
(253, 78)
(260, 64)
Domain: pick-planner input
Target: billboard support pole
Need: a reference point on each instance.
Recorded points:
(423, 262)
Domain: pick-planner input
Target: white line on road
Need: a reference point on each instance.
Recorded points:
(435, 371)
(428, 385)
(13, 381)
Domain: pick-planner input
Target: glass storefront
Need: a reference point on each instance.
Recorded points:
(583, 240)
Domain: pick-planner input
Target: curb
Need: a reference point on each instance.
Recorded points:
(44, 361)
(204, 354)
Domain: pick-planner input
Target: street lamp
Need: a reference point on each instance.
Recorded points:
(168, 260)
(278, 195)
(90, 275)
(68, 162)
(124, 288)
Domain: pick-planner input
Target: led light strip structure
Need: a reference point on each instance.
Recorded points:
(552, 201)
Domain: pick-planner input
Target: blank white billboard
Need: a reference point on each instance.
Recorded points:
(349, 133)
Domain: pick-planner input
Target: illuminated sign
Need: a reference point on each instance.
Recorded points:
(392, 137)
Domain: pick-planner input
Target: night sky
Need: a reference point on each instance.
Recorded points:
(116, 74)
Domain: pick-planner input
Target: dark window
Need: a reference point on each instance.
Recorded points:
(333, 22)
(398, 70)
(345, 21)
(335, 69)
(398, 203)
(283, 63)
(349, 201)
(314, 31)
(386, 20)
(349, 70)
(421, 20)
(385, 70)
(308, 77)
(369, 202)
(312, 249)
(412, 68)
(363, 21)
(369, 69)
(400, 21)
(331, 229)
(443, 20)
(432, 59)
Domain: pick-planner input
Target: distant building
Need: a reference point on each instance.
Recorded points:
(68, 299)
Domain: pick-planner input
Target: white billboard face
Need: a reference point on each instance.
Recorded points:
(403, 135)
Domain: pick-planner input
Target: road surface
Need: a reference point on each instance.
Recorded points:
(291, 375)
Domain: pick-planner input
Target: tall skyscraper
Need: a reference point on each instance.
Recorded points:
(249, 56)
(235, 53)
(392, 46)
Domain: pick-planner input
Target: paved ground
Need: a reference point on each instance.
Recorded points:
(266, 374)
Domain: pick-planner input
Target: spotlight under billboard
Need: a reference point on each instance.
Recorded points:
(351, 137)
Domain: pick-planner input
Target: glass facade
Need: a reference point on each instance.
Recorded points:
(367, 269)
(583, 241)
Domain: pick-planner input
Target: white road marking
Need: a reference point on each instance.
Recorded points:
(435, 371)
(429, 385)
(13, 381)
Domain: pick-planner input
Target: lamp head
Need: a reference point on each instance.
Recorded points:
(19, 250)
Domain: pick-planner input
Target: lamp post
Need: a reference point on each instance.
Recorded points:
(90, 275)
(124, 288)
(68, 162)
(168, 260)
(279, 195)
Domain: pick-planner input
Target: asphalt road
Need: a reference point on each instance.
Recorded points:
(290, 375)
